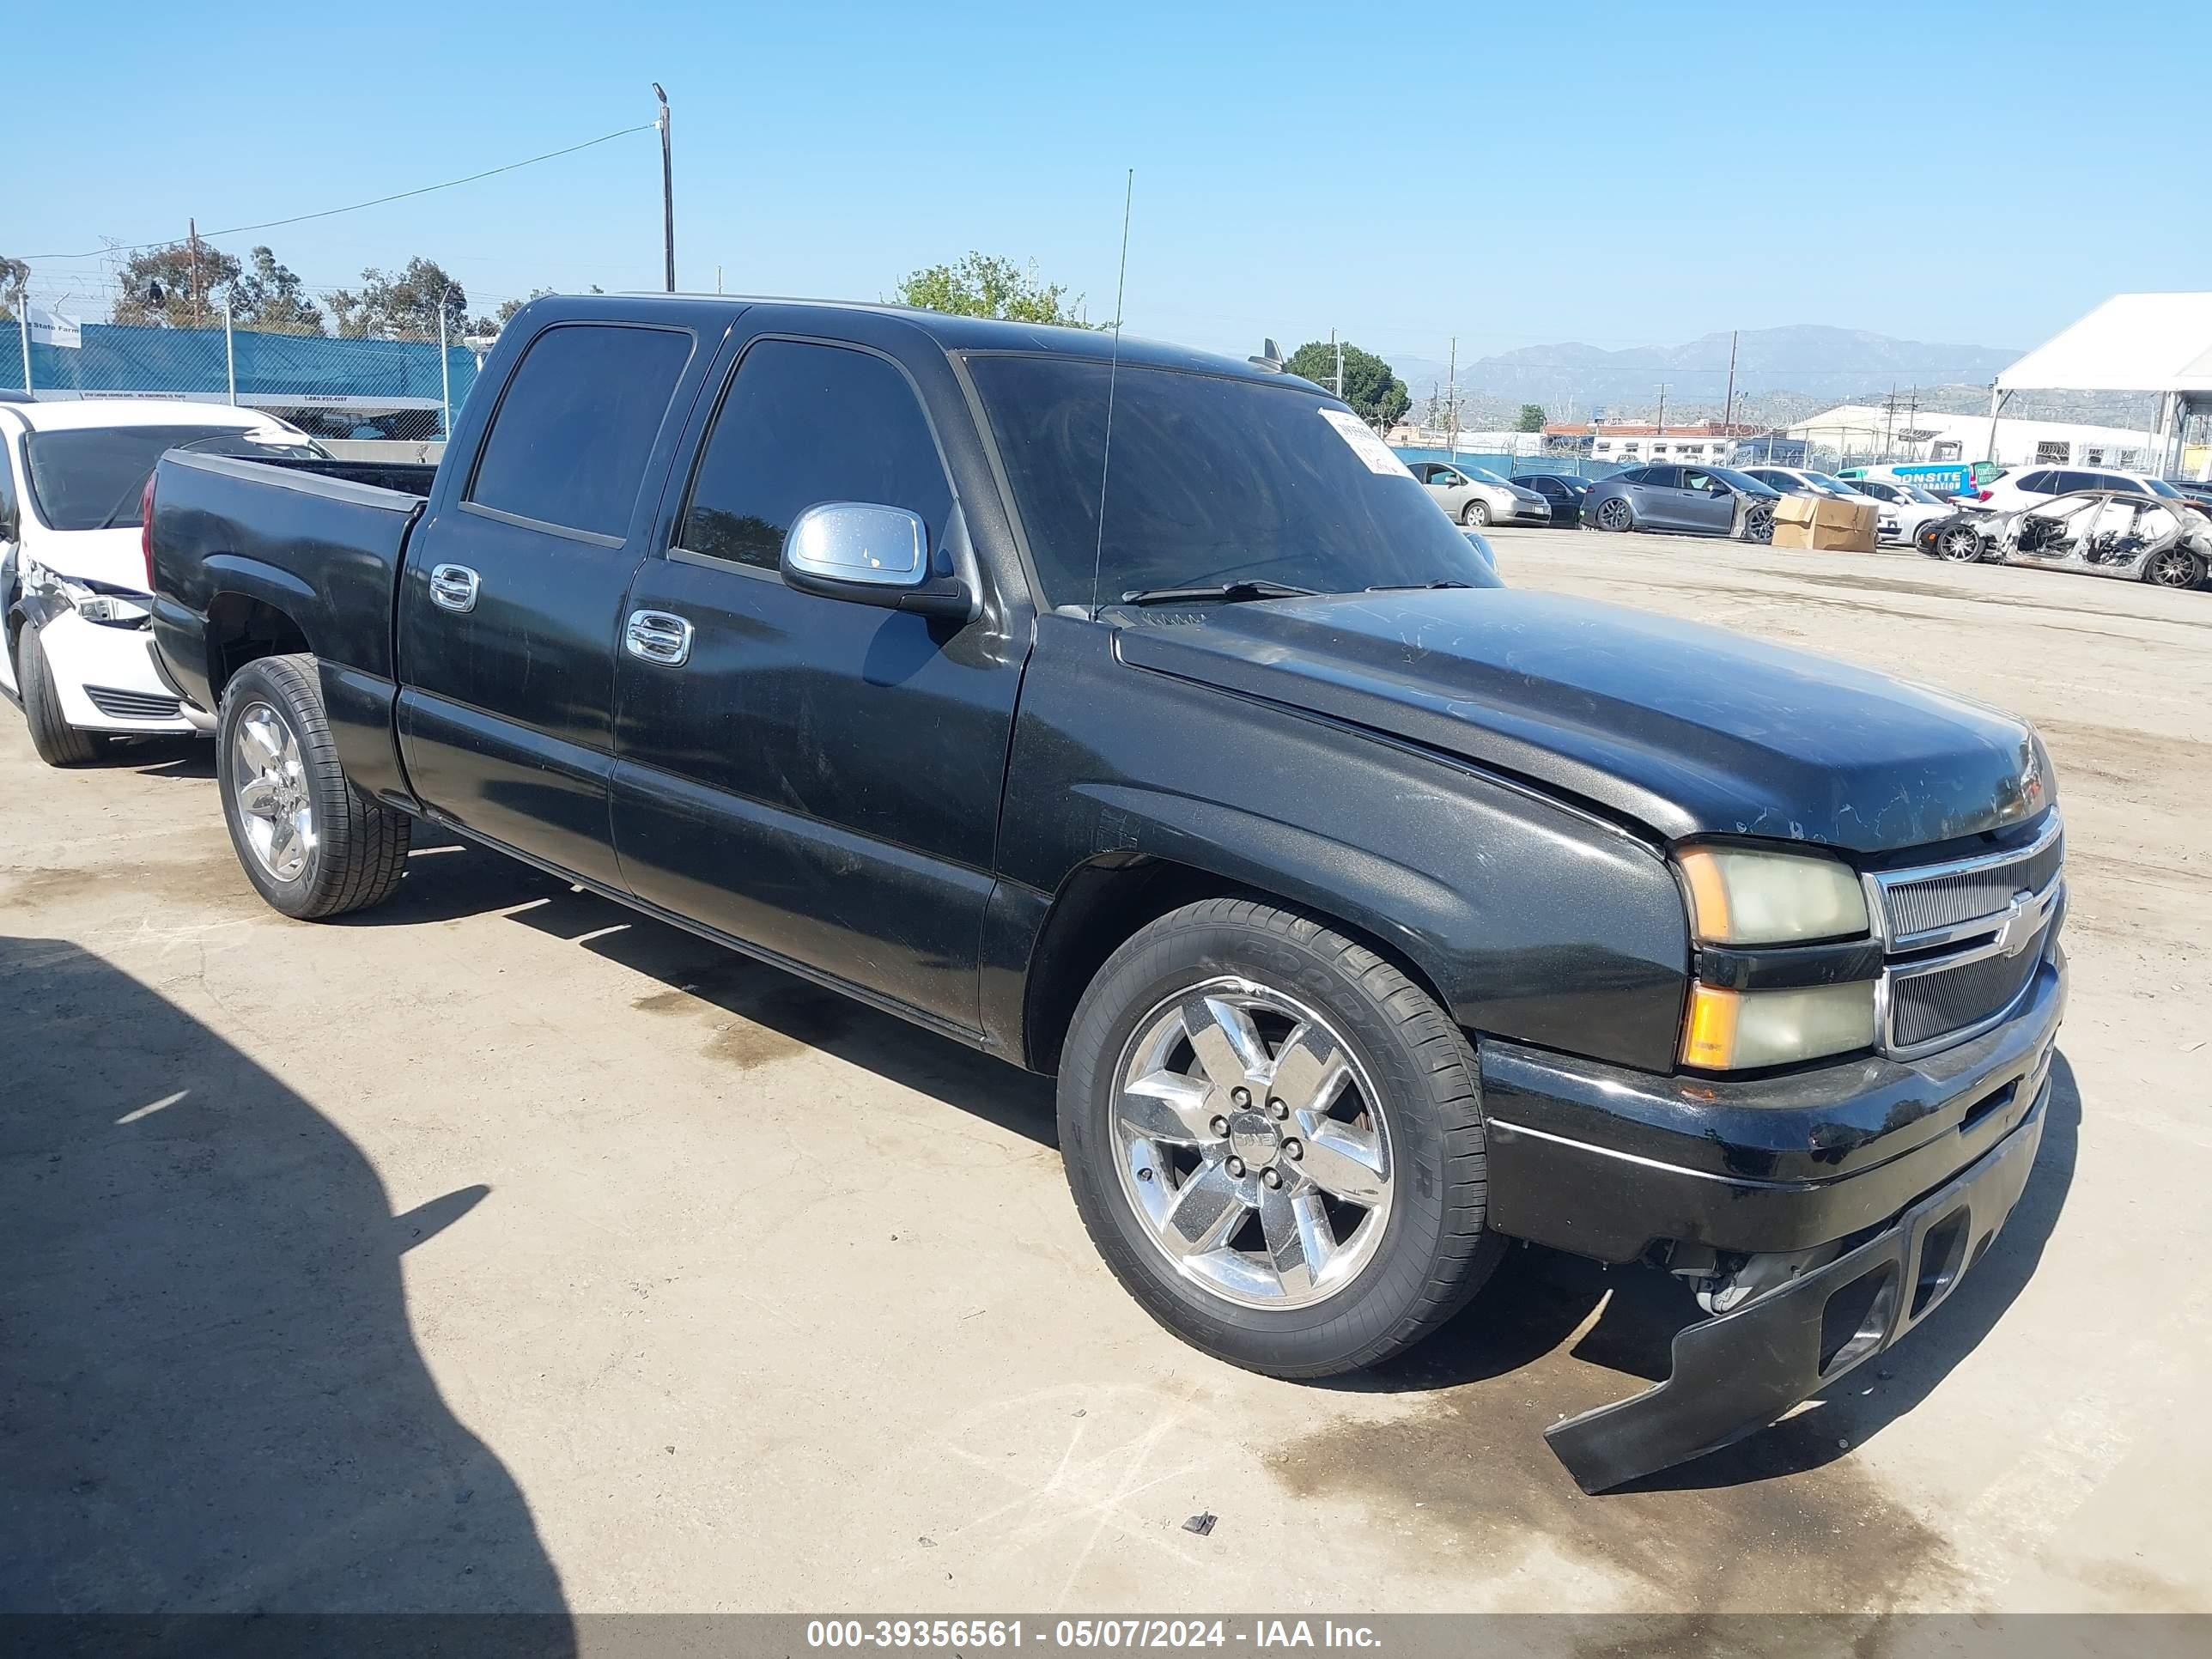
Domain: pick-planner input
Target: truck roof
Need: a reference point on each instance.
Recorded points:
(952, 333)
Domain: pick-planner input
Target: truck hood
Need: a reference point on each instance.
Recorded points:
(1686, 728)
(111, 558)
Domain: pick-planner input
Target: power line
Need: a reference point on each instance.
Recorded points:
(398, 196)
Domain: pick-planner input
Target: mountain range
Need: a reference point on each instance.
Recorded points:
(1806, 362)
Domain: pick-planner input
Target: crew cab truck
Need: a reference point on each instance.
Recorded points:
(1133, 715)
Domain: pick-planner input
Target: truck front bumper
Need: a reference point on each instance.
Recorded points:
(1905, 1169)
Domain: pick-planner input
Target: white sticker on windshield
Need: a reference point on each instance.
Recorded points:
(1378, 455)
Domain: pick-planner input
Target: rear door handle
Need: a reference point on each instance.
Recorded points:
(656, 636)
(453, 587)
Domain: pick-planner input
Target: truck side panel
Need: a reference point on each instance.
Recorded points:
(242, 549)
(1532, 920)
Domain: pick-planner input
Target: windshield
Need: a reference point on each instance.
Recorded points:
(91, 477)
(2160, 487)
(1741, 480)
(1826, 482)
(1212, 479)
(1483, 474)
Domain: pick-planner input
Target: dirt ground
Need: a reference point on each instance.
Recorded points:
(499, 1248)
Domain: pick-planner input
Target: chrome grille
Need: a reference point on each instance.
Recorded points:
(131, 705)
(1927, 1005)
(1965, 939)
(1918, 904)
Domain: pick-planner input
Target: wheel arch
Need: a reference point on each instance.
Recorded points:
(242, 626)
(1110, 898)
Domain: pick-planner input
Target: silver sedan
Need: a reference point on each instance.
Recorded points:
(1476, 497)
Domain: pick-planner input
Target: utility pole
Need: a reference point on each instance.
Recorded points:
(1728, 404)
(667, 191)
(1451, 395)
(194, 235)
(1662, 411)
(1888, 421)
(1337, 346)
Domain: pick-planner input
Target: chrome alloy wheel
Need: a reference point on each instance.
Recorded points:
(1250, 1145)
(2174, 567)
(274, 809)
(1612, 515)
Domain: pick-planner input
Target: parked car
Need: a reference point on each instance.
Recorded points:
(72, 572)
(1478, 497)
(1707, 500)
(1797, 480)
(1562, 491)
(1370, 914)
(2016, 491)
(1903, 508)
(2127, 533)
(2199, 495)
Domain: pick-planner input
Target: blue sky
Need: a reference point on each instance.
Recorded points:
(1511, 175)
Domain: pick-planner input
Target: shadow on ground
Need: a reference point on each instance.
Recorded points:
(770, 1013)
(211, 1400)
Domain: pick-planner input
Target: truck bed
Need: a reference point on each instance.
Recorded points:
(320, 541)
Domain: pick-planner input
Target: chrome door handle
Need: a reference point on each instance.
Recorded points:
(453, 587)
(655, 636)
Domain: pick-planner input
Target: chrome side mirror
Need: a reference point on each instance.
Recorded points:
(872, 554)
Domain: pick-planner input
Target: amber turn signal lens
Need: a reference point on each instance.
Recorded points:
(1709, 1033)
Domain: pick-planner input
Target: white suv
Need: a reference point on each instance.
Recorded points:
(2018, 490)
(73, 593)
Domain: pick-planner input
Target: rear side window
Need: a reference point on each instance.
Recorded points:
(804, 424)
(576, 424)
(2037, 484)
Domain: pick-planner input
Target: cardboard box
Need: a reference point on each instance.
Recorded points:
(1823, 523)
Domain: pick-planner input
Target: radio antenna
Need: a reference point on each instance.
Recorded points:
(1113, 370)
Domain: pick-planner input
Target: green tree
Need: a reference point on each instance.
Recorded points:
(1375, 393)
(186, 281)
(15, 286)
(1532, 418)
(985, 285)
(402, 305)
(268, 296)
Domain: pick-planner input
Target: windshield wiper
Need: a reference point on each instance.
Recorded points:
(1401, 587)
(1231, 591)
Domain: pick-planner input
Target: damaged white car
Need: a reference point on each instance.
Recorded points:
(2097, 532)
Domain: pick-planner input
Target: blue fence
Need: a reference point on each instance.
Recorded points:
(363, 380)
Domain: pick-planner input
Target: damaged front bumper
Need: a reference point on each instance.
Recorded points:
(1736, 1373)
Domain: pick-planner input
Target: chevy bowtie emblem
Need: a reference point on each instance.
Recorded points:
(2021, 918)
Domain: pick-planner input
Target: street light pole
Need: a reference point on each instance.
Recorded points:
(667, 191)
(445, 370)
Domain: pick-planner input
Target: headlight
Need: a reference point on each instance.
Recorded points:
(1742, 896)
(1739, 1030)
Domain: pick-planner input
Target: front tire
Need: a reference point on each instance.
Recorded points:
(58, 743)
(1958, 544)
(311, 846)
(1275, 1138)
(1477, 515)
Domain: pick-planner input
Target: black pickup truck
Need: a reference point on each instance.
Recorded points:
(1132, 715)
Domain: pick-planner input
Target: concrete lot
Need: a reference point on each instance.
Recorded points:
(498, 1249)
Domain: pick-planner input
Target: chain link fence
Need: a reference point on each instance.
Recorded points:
(390, 358)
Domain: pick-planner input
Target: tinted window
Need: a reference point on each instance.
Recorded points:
(576, 425)
(1635, 475)
(804, 424)
(1662, 477)
(2036, 484)
(1212, 477)
(92, 478)
(8, 526)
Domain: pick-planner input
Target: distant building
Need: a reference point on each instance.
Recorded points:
(1714, 442)
(1854, 434)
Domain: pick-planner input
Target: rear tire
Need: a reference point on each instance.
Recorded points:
(1958, 544)
(1405, 1102)
(310, 843)
(1477, 515)
(58, 743)
(1615, 515)
(2177, 567)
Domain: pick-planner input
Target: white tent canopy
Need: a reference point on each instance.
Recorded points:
(2132, 342)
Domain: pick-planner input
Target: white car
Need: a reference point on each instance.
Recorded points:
(2016, 492)
(1796, 481)
(73, 581)
(1903, 507)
